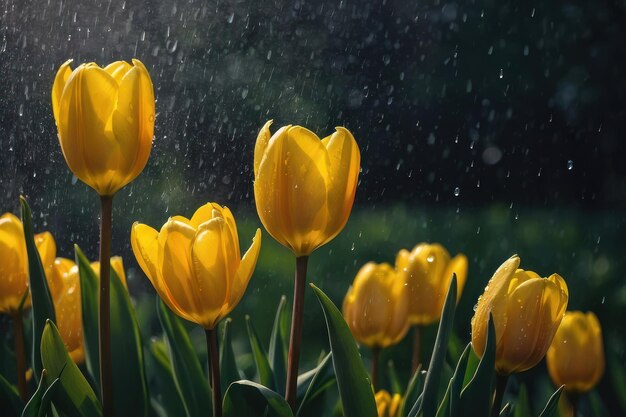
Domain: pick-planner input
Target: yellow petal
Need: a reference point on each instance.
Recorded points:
(203, 214)
(47, 248)
(63, 74)
(13, 264)
(84, 125)
(244, 273)
(290, 189)
(458, 266)
(118, 266)
(345, 163)
(261, 143)
(118, 69)
(144, 242)
(57, 276)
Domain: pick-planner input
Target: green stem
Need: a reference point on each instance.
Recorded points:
(375, 356)
(20, 356)
(214, 370)
(295, 338)
(501, 381)
(415, 362)
(106, 376)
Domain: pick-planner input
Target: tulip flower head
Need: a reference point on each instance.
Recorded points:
(304, 187)
(576, 356)
(376, 306)
(386, 404)
(526, 311)
(428, 270)
(105, 121)
(14, 262)
(195, 264)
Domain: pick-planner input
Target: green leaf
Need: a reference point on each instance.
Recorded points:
(249, 399)
(522, 405)
(396, 386)
(39, 403)
(552, 407)
(476, 396)
(412, 392)
(323, 378)
(165, 386)
(430, 401)
(190, 379)
(353, 381)
(9, 398)
(41, 301)
(456, 383)
(278, 346)
(74, 396)
(264, 370)
(229, 372)
(89, 306)
(130, 398)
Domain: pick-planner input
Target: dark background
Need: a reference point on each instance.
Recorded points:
(494, 127)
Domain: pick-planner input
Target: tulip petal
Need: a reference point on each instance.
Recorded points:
(203, 214)
(144, 242)
(63, 74)
(345, 163)
(214, 268)
(290, 189)
(458, 266)
(13, 266)
(262, 140)
(118, 69)
(47, 248)
(244, 273)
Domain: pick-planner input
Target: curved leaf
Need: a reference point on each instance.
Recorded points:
(264, 370)
(552, 407)
(130, 389)
(412, 392)
(74, 396)
(89, 307)
(39, 403)
(353, 381)
(249, 399)
(323, 378)
(188, 375)
(41, 301)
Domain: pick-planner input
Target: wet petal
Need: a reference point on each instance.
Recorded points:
(244, 273)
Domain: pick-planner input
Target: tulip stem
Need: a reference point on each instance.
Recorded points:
(501, 381)
(573, 400)
(106, 377)
(415, 362)
(295, 338)
(375, 356)
(18, 332)
(214, 370)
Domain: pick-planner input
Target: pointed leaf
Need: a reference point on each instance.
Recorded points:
(89, 307)
(429, 402)
(264, 371)
(412, 393)
(74, 396)
(456, 383)
(552, 407)
(476, 396)
(353, 381)
(229, 372)
(41, 301)
(130, 398)
(190, 379)
(249, 399)
(39, 403)
(322, 379)
(278, 343)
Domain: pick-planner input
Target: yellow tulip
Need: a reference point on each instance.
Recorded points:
(118, 266)
(428, 271)
(576, 356)
(376, 306)
(105, 120)
(526, 310)
(14, 261)
(64, 284)
(304, 187)
(386, 404)
(195, 264)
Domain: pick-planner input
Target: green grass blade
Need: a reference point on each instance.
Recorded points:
(261, 360)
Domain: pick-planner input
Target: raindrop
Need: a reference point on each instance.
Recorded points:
(244, 93)
(501, 73)
(457, 191)
(231, 17)
(570, 165)
(21, 110)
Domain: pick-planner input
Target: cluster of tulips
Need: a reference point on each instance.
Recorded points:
(304, 189)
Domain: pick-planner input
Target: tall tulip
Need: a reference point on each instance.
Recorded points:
(196, 267)
(526, 311)
(376, 309)
(576, 356)
(428, 270)
(14, 295)
(304, 189)
(105, 121)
